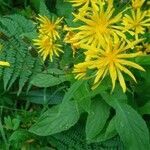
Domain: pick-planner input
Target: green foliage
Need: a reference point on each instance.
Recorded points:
(129, 124)
(131, 128)
(74, 138)
(16, 51)
(47, 78)
(96, 119)
(51, 121)
(43, 107)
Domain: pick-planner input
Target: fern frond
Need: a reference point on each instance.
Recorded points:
(15, 51)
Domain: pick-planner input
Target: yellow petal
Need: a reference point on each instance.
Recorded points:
(3, 63)
(131, 64)
(125, 70)
(121, 80)
(113, 75)
(99, 75)
(129, 55)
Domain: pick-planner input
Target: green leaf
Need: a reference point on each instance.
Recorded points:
(110, 98)
(64, 9)
(41, 7)
(53, 96)
(143, 60)
(18, 138)
(72, 90)
(111, 129)
(131, 128)
(145, 109)
(57, 119)
(108, 132)
(96, 119)
(83, 97)
(47, 80)
(60, 117)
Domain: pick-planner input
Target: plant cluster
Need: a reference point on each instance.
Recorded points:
(75, 74)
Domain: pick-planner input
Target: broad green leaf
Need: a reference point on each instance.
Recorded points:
(47, 80)
(131, 127)
(72, 90)
(107, 133)
(60, 117)
(111, 129)
(56, 119)
(145, 109)
(52, 96)
(96, 119)
(64, 9)
(83, 98)
(129, 124)
(110, 98)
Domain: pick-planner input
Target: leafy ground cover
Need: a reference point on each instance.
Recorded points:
(75, 74)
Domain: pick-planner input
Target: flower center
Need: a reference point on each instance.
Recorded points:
(101, 25)
(111, 57)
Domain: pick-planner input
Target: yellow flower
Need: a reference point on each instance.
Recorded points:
(69, 39)
(49, 27)
(137, 3)
(147, 47)
(136, 22)
(4, 63)
(99, 26)
(81, 69)
(47, 46)
(83, 4)
(111, 58)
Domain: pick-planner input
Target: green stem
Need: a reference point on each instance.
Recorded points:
(3, 135)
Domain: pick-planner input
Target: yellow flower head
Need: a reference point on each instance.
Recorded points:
(136, 22)
(137, 3)
(47, 46)
(99, 25)
(49, 27)
(111, 58)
